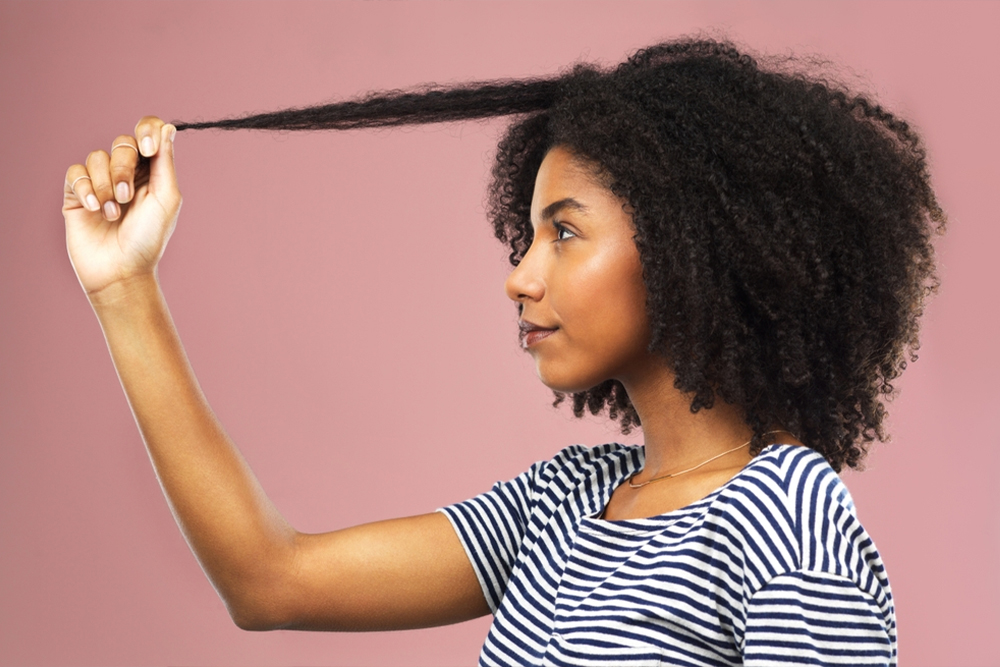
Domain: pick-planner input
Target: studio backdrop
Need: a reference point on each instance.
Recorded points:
(340, 296)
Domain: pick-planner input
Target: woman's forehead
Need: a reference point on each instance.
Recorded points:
(565, 176)
(567, 183)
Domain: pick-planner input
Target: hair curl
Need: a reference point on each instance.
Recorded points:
(784, 224)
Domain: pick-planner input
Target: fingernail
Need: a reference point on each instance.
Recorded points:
(92, 203)
(173, 133)
(147, 146)
(121, 191)
(110, 210)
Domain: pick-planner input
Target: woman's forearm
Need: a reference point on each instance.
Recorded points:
(120, 212)
(237, 535)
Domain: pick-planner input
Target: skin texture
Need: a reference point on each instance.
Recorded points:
(582, 274)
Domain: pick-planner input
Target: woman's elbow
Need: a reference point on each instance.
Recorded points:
(256, 615)
(258, 604)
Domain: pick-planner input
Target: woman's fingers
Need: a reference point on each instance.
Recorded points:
(109, 180)
(120, 207)
(124, 157)
(162, 177)
(99, 170)
(78, 184)
(147, 133)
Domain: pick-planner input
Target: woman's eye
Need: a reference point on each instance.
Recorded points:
(562, 233)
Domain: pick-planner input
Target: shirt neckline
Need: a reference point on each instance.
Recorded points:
(658, 520)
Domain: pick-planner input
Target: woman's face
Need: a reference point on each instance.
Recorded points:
(581, 281)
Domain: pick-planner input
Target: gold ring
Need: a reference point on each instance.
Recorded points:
(125, 144)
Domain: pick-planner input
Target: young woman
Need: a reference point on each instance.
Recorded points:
(730, 256)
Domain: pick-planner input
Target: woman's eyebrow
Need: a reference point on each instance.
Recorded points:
(556, 206)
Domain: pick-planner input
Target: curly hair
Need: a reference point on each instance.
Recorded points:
(783, 223)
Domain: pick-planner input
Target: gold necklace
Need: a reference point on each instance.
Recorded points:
(675, 474)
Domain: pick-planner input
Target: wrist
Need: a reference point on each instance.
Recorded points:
(122, 291)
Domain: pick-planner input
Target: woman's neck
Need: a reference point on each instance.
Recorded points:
(675, 437)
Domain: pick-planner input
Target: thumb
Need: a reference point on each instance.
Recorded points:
(162, 176)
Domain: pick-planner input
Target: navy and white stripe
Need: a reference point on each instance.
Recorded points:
(772, 567)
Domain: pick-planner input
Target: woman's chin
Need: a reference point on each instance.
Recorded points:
(564, 382)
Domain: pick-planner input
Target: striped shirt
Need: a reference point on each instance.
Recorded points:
(772, 567)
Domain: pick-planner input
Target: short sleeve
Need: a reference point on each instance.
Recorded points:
(815, 618)
(491, 527)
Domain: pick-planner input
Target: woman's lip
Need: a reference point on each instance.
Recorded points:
(533, 336)
(527, 325)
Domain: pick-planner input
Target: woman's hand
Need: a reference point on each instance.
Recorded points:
(121, 209)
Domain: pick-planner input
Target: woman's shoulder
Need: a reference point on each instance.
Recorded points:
(578, 472)
(577, 463)
(795, 473)
(793, 495)
(803, 502)
(793, 490)
(587, 455)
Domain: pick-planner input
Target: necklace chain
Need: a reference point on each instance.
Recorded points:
(675, 474)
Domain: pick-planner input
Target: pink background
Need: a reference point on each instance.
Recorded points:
(340, 297)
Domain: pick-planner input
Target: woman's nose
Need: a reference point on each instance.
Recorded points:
(525, 282)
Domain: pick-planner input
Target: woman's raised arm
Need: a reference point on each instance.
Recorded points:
(403, 573)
